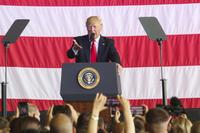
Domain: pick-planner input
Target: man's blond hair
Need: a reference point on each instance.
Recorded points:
(93, 19)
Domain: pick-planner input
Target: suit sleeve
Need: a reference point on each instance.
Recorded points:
(70, 53)
(113, 54)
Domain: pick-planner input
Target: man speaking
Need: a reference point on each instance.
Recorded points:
(93, 47)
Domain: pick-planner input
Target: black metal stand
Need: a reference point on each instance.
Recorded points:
(155, 32)
(163, 80)
(11, 36)
(4, 84)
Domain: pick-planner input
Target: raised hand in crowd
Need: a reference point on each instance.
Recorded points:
(146, 109)
(117, 116)
(74, 113)
(98, 106)
(48, 117)
(119, 126)
(128, 119)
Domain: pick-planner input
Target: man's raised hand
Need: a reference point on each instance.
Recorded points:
(76, 45)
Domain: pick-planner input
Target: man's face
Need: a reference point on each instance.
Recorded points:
(95, 28)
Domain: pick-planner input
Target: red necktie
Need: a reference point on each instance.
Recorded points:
(93, 53)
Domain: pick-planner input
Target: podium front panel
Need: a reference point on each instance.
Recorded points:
(72, 90)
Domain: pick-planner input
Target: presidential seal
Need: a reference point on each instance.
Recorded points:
(88, 78)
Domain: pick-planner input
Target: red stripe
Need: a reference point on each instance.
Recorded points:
(138, 51)
(42, 104)
(151, 103)
(92, 2)
(37, 52)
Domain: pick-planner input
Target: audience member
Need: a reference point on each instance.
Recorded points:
(4, 125)
(30, 131)
(65, 119)
(157, 121)
(139, 124)
(14, 125)
(61, 123)
(181, 125)
(28, 123)
(196, 127)
(82, 123)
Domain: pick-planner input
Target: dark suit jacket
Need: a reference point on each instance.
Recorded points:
(106, 50)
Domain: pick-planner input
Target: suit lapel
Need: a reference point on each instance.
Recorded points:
(87, 48)
(100, 48)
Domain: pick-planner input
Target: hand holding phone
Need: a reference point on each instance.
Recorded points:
(23, 108)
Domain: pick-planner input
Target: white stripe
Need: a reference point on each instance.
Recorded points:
(118, 20)
(33, 83)
(144, 83)
(137, 83)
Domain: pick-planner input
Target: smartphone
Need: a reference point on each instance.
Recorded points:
(23, 108)
(61, 109)
(111, 102)
(137, 110)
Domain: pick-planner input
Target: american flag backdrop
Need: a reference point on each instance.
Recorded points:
(35, 60)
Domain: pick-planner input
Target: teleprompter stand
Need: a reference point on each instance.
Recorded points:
(11, 36)
(155, 32)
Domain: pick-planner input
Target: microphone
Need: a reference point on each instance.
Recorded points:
(92, 37)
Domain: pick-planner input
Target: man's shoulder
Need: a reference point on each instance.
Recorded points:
(81, 37)
(107, 39)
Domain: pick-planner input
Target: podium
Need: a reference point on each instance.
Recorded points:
(81, 81)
